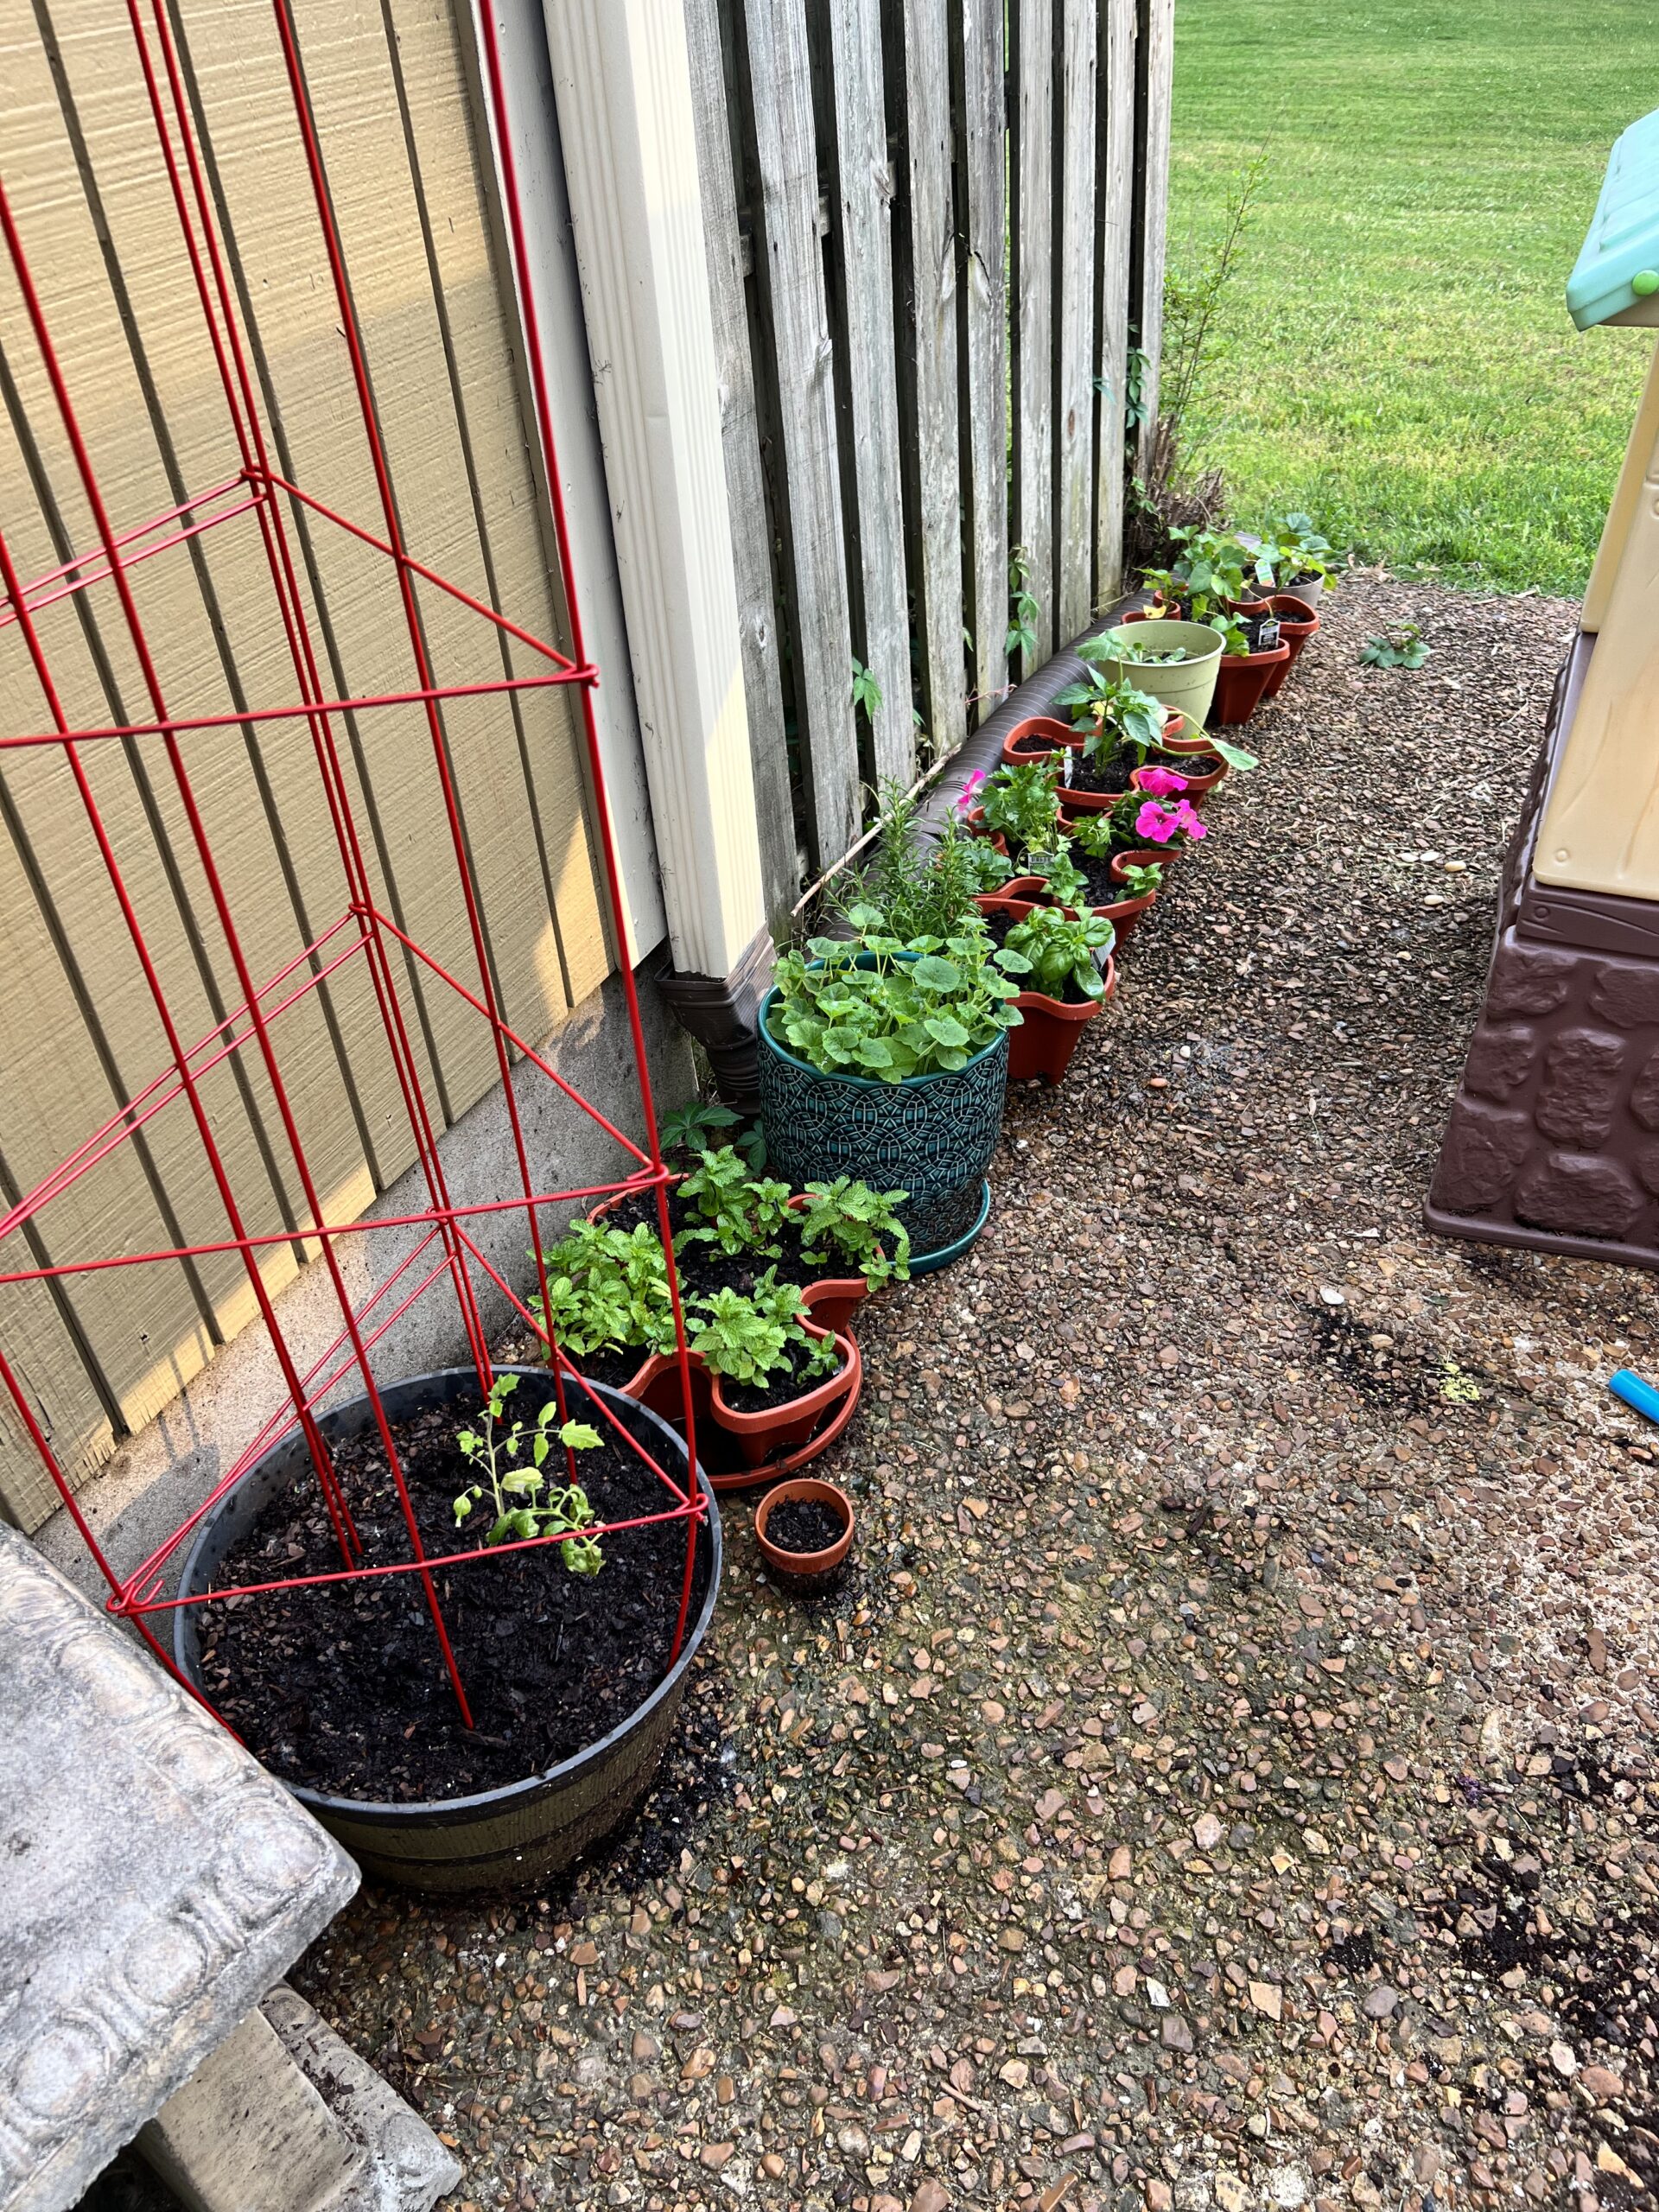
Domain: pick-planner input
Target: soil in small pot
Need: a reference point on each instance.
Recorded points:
(342, 1688)
(804, 1525)
(1104, 889)
(783, 1384)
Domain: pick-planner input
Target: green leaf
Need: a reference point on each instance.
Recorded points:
(873, 1053)
(580, 1436)
(1234, 755)
(945, 1029)
(933, 974)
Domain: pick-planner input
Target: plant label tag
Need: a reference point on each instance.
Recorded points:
(1267, 638)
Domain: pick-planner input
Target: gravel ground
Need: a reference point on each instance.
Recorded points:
(1226, 1777)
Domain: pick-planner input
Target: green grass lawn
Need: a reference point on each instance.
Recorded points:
(1393, 353)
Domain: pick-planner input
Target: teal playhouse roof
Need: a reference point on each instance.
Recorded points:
(1618, 265)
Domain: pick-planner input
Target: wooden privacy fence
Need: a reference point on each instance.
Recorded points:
(935, 235)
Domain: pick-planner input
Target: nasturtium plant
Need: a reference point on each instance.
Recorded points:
(885, 1011)
(527, 1505)
(1063, 949)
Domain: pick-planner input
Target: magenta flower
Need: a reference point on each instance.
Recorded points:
(965, 803)
(1155, 823)
(1158, 824)
(1161, 782)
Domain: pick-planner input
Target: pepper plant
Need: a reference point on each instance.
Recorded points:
(525, 1505)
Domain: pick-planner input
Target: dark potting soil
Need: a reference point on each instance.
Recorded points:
(342, 1687)
(780, 1386)
(1112, 776)
(1104, 889)
(804, 1524)
(1194, 765)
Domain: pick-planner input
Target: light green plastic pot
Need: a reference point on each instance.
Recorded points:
(1188, 684)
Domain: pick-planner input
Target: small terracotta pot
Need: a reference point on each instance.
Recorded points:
(1241, 679)
(1019, 897)
(1297, 623)
(794, 1426)
(1199, 788)
(1249, 607)
(1046, 1040)
(816, 1568)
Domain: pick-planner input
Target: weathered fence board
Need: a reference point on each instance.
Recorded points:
(746, 487)
(865, 196)
(985, 301)
(1031, 171)
(930, 331)
(1154, 71)
(1074, 264)
(1114, 219)
(791, 259)
(965, 182)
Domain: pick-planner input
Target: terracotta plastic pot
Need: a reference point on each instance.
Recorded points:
(798, 1428)
(974, 823)
(802, 1569)
(1241, 679)
(1037, 737)
(1046, 1040)
(1125, 915)
(1297, 623)
(1144, 855)
(1020, 898)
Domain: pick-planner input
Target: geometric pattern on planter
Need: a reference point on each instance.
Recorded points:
(933, 1136)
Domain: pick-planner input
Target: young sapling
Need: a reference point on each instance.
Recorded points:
(525, 1505)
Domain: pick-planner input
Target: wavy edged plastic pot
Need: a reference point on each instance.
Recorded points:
(933, 1136)
(1052, 1029)
(801, 1428)
(1041, 735)
(805, 1571)
(1297, 623)
(1187, 684)
(1198, 787)
(518, 1835)
(1241, 680)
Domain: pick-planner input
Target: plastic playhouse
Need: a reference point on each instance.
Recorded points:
(1553, 1138)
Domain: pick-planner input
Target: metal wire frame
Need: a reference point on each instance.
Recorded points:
(361, 929)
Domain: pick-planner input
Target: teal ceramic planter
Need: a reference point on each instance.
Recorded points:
(933, 1136)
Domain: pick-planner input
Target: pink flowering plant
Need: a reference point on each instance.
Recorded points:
(1158, 825)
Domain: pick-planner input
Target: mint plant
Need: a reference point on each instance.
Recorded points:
(1061, 950)
(607, 1291)
(525, 1505)
(887, 1011)
(740, 1213)
(858, 1225)
(746, 1340)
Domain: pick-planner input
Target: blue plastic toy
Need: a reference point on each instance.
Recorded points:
(1641, 1397)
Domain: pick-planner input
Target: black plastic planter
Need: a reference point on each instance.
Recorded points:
(932, 1136)
(501, 1839)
